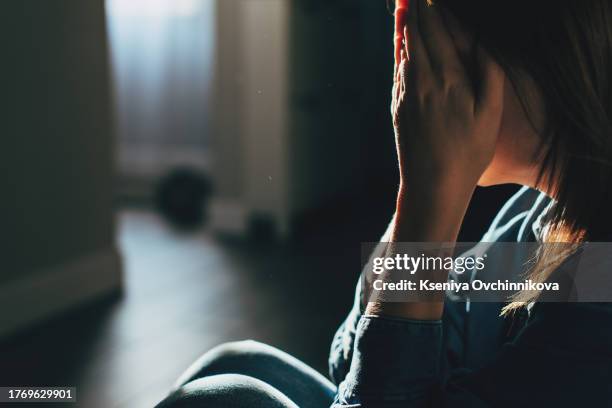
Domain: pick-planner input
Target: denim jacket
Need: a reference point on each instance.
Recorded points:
(555, 355)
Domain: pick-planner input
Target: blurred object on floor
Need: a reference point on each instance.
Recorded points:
(182, 197)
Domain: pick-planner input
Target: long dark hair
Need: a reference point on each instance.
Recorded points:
(565, 47)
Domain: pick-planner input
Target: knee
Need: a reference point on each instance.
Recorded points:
(232, 353)
(220, 360)
(234, 348)
(227, 391)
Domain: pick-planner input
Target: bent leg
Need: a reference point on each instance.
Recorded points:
(227, 391)
(301, 383)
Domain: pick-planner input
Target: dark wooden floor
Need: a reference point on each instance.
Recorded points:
(185, 293)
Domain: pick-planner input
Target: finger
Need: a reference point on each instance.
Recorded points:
(417, 57)
(402, 75)
(403, 72)
(401, 9)
(395, 90)
(393, 98)
(490, 91)
(438, 41)
(398, 80)
(463, 39)
(399, 87)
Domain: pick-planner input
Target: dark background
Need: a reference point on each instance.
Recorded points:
(76, 122)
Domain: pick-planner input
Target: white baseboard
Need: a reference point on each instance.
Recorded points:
(46, 293)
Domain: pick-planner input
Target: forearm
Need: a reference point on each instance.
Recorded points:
(425, 214)
(397, 346)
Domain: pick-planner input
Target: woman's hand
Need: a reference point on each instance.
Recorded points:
(446, 129)
(446, 124)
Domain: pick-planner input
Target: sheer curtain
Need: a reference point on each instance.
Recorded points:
(162, 62)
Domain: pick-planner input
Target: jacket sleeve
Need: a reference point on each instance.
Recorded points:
(341, 351)
(396, 363)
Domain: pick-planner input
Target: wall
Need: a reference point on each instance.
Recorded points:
(250, 108)
(287, 109)
(56, 222)
(228, 210)
(326, 88)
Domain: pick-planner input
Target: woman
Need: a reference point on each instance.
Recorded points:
(485, 93)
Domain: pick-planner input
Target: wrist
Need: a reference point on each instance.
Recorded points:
(424, 311)
(432, 211)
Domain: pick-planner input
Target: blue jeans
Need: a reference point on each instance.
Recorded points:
(250, 374)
